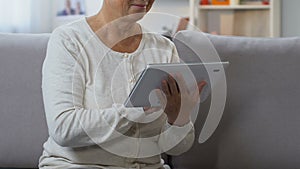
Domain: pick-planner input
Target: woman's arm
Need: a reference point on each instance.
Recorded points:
(177, 138)
(63, 86)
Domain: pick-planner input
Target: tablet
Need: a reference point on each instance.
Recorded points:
(143, 93)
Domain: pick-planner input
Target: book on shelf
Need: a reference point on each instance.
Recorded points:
(234, 2)
(220, 2)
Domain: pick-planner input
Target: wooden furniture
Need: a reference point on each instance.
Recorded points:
(234, 19)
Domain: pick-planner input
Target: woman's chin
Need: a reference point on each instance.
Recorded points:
(137, 9)
(136, 15)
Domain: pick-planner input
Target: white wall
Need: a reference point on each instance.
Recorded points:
(290, 18)
(43, 15)
(165, 14)
(173, 7)
(93, 6)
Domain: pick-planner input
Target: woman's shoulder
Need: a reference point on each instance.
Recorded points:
(157, 39)
(68, 36)
(70, 30)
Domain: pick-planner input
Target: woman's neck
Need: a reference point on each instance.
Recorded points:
(118, 34)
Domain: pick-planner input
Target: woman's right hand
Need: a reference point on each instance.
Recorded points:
(178, 102)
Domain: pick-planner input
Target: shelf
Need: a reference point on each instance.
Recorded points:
(233, 7)
(252, 20)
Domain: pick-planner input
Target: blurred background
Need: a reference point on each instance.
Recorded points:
(273, 18)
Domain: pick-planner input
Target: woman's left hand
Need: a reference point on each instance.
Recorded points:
(178, 101)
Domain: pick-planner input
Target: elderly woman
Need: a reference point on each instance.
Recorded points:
(90, 68)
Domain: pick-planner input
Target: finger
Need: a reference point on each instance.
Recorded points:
(172, 85)
(196, 96)
(161, 97)
(155, 109)
(177, 86)
(181, 83)
(201, 85)
(146, 108)
(152, 110)
(165, 88)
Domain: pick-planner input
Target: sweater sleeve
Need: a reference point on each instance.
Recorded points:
(63, 86)
(175, 140)
(175, 56)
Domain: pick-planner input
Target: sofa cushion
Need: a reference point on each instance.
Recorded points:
(22, 123)
(260, 126)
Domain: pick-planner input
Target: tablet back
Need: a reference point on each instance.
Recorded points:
(143, 94)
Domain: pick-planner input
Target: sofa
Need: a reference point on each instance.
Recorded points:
(259, 129)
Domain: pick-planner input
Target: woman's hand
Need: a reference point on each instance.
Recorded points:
(149, 110)
(178, 101)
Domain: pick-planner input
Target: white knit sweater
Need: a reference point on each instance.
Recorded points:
(84, 87)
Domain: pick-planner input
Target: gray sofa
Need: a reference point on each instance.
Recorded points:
(260, 128)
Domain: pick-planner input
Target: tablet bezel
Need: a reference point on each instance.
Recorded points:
(131, 100)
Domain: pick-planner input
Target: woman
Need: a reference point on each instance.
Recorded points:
(90, 68)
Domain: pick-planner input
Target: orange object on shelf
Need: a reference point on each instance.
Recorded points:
(220, 2)
(266, 2)
(204, 2)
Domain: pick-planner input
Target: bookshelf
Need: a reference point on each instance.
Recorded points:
(253, 20)
(233, 7)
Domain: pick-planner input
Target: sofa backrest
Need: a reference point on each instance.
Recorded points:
(23, 127)
(260, 127)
